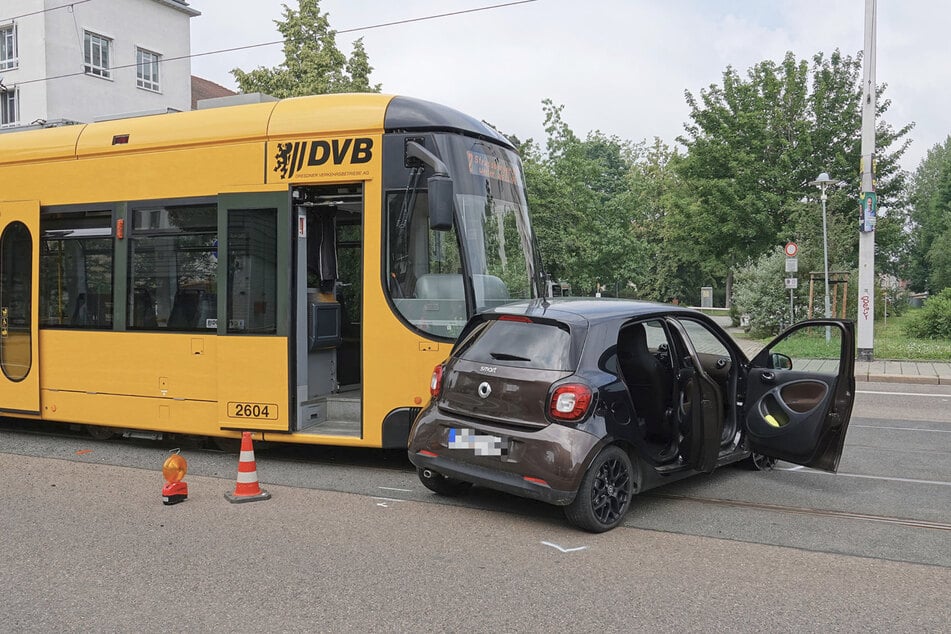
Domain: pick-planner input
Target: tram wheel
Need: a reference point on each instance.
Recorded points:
(101, 433)
(225, 444)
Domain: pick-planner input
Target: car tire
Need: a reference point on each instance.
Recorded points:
(605, 492)
(441, 484)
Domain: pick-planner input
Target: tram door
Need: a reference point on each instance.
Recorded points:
(330, 262)
(19, 301)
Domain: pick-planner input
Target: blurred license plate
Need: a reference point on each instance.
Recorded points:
(482, 444)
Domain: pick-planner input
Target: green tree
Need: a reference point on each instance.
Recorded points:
(930, 200)
(578, 194)
(754, 144)
(313, 64)
(663, 209)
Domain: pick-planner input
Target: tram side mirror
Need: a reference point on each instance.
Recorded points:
(439, 184)
(440, 202)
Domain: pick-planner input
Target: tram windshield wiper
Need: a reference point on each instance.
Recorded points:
(504, 356)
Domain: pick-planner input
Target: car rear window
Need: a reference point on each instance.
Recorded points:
(520, 344)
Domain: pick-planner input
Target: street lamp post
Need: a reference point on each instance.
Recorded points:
(824, 182)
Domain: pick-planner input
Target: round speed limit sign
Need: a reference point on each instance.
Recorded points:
(791, 249)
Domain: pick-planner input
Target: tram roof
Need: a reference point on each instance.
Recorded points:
(330, 115)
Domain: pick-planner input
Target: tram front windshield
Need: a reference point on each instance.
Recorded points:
(489, 247)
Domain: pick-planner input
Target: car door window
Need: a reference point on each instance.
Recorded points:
(814, 349)
(704, 341)
(714, 356)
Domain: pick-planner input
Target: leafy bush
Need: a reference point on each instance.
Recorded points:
(759, 294)
(933, 321)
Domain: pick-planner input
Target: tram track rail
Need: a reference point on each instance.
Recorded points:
(345, 456)
(800, 510)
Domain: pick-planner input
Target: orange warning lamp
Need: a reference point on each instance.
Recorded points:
(173, 471)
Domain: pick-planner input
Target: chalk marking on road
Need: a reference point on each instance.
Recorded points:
(395, 489)
(936, 431)
(564, 550)
(947, 396)
(383, 504)
(868, 477)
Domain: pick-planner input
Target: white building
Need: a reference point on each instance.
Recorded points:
(83, 60)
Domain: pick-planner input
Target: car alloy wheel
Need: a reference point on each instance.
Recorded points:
(605, 492)
(759, 462)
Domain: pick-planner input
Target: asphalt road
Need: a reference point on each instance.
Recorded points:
(351, 541)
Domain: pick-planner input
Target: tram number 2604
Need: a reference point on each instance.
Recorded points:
(252, 410)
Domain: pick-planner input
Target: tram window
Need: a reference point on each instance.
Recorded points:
(76, 275)
(424, 272)
(252, 271)
(16, 255)
(173, 268)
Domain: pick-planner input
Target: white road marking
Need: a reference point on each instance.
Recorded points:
(947, 396)
(868, 477)
(389, 499)
(564, 550)
(936, 431)
(395, 489)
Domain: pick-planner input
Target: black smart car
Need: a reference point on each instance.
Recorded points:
(584, 403)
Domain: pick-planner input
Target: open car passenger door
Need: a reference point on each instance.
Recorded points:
(799, 394)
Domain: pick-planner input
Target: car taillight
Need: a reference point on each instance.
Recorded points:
(570, 402)
(435, 383)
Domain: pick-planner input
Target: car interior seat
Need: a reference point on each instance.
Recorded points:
(647, 381)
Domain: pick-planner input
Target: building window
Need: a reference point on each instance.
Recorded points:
(97, 55)
(147, 69)
(8, 47)
(9, 107)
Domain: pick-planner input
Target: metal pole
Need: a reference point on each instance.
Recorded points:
(866, 303)
(825, 252)
(825, 260)
(792, 310)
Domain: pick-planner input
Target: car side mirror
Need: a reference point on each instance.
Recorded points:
(440, 202)
(780, 361)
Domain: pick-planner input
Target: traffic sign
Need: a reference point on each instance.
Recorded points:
(792, 265)
(792, 282)
(791, 249)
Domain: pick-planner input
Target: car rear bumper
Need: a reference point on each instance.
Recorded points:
(545, 464)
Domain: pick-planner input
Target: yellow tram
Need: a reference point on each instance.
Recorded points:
(293, 268)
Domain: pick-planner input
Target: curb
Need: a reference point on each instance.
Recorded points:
(904, 378)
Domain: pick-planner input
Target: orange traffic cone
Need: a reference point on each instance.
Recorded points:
(247, 489)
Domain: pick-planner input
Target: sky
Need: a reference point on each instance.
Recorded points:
(618, 66)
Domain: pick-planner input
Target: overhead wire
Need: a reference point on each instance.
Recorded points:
(46, 10)
(276, 42)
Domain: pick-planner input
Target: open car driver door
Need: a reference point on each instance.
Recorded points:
(700, 409)
(799, 394)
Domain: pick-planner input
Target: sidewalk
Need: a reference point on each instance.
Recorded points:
(922, 372)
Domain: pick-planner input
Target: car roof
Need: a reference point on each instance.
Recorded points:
(587, 309)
